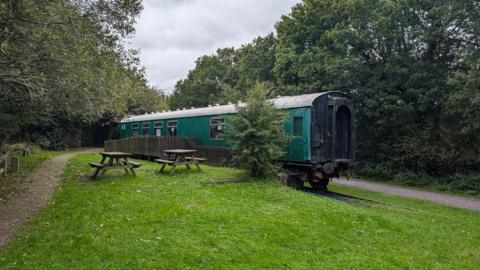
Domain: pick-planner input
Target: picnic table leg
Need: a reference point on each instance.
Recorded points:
(94, 176)
(198, 166)
(103, 159)
(173, 169)
(188, 166)
(163, 167)
(104, 170)
(133, 172)
(124, 162)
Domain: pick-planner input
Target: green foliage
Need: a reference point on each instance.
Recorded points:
(256, 134)
(186, 221)
(409, 65)
(412, 68)
(226, 76)
(63, 64)
(377, 170)
(467, 182)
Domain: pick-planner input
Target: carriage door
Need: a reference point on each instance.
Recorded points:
(343, 129)
(298, 143)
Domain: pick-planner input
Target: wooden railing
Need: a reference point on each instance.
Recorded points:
(152, 146)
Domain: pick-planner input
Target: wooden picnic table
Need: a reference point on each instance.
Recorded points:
(175, 157)
(112, 161)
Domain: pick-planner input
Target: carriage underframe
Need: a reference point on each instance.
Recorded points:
(318, 175)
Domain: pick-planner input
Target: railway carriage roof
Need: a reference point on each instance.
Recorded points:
(285, 102)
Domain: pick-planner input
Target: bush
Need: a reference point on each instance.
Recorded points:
(382, 170)
(464, 183)
(256, 134)
(57, 139)
(419, 179)
(467, 183)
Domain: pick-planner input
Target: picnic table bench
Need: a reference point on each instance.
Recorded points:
(112, 161)
(175, 157)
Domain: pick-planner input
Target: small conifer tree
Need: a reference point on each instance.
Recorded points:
(257, 134)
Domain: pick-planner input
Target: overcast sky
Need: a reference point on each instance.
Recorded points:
(172, 34)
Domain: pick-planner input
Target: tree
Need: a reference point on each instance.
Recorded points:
(63, 67)
(399, 61)
(257, 134)
(412, 68)
(226, 75)
(204, 83)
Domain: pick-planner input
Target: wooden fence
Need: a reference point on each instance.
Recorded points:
(8, 163)
(152, 146)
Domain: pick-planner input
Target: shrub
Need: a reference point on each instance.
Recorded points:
(418, 179)
(460, 182)
(468, 183)
(382, 170)
(256, 134)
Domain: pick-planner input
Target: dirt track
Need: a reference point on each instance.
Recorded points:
(34, 194)
(456, 201)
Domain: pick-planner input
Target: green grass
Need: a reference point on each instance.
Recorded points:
(157, 221)
(27, 164)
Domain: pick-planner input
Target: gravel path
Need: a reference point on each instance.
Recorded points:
(456, 201)
(35, 192)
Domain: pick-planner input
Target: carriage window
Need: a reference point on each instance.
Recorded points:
(145, 128)
(158, 128)
(172, 128)
(134, 130)
(217, 131)
(297, 126)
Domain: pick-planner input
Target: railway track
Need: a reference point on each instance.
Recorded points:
(339, 196)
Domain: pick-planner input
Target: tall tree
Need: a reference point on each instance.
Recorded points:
(63, 65)
(226, 75)
(396, 58)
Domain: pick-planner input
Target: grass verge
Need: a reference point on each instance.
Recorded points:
(184, 221)
(27, 164)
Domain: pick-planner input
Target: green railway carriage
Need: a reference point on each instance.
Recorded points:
(321, 126)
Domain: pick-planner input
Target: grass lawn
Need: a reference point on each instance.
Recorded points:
(157, 221)
(27, 164)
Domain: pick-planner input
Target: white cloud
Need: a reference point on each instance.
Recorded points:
(171, 34)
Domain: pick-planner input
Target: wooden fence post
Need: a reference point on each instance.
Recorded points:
(3, 164)
(14, 164)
